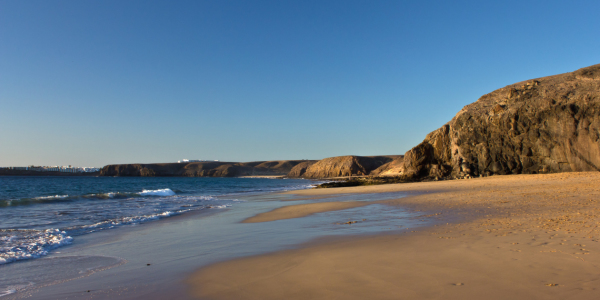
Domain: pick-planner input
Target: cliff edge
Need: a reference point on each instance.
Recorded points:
(545, 125)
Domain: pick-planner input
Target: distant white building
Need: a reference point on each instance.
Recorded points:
(65, 169)
(189, 160)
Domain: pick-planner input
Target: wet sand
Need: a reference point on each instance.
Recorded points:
(501, 237)
(303, 210)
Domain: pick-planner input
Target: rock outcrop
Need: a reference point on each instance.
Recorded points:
(545, 125)
(392, 168)
(203, 169)
(341, 166)
(299, 169)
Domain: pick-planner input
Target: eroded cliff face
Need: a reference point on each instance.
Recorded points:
(392, 168)
(203, 169)
(341, 166)
(550, 124)
(299, 169)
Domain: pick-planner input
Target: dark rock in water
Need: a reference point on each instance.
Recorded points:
(341, 166)
(550, 124)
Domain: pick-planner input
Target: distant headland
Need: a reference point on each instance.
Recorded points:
(341, 166)
(50, 171)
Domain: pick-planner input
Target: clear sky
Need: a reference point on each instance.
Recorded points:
(90, 83)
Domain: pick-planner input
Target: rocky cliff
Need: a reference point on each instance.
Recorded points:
(392, 168)
(203, 169)
(299, 169)
(549, 124)
(341, 166)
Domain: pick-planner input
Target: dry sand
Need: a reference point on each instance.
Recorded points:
(507, 237)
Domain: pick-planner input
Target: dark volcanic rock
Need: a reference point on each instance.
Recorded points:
(203, 169)
(550, 124)
(145, 172)
(345, 166)
(148, 170)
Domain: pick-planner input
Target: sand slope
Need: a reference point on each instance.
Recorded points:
(508, 237)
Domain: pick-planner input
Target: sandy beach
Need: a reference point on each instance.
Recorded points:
(500, 237)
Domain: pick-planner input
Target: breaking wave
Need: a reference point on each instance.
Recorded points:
(161, 192)
(67, 198)
(18, 244)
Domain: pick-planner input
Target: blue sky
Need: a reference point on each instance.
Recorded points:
(91, 83)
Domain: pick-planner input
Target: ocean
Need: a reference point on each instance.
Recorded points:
(39, 214)
(94, 237)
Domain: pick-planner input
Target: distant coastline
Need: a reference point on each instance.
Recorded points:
(9, 172)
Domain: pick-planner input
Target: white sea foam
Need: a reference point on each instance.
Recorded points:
(110, 195)
(161, 192)
(13, 288)
(25, 244)
(219, 206)
(7, 292)
(131, 220)
(52, 197)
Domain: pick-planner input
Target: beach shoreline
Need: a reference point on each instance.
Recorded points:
(151, 260)
(514, 236)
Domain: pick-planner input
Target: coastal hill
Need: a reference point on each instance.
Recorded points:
(203, 169)
(341, 166)
(544, 125)
(329, 167)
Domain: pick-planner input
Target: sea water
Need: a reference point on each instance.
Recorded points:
(39, 214)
